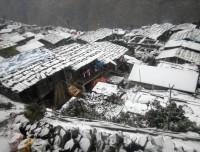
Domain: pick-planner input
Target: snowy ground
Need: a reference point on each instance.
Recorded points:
(17, 108)
(4, 144)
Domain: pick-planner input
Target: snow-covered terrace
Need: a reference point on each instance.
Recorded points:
(93, 36)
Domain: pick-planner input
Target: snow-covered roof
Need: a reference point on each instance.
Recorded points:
(163, 77)
(184, 26)
(185, 66)
(29, 46)
(131, 60)
(115, 79)
(93, 36)
(153, 31)
(6, 31)
(181, 53)
(80, 55)
(29, 34)
(6, 44)
(16, 38)
(26, 69)
(183, 44)
(63, 34)
(53, 38)
(193, 35)
(105, 89)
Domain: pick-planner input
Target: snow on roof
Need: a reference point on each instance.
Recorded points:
(115, 79)
(184, 44)
(53, 38)
(184, 54)
(29, 34)
(80, 55)
(131, 60)
(14, 26)
(184, 67)
(26, 69)
(184, 26)
(193, 35)
(6, 44)
(63, 34)
(30, 46)
(6, 31)
(163, 77)
(153, 31)
(105, 89)
(16, 38)
(93, 36)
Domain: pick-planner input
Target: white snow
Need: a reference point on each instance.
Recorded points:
(163, 77)
(105, 89)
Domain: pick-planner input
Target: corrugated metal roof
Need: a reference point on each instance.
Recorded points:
(93, 36)
(184, 54)
(26, 69)
(81, 55)
(163, 77)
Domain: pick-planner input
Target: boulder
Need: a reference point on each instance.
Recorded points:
(99, 136)
(85, 144)
(109, 148)
(69, 145)
(142, 140)
(100, 146)
(158, 140)
(115, 140)
(74, 132)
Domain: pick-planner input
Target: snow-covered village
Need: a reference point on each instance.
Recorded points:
(103, 90)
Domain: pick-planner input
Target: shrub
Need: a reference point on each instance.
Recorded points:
(34, 111)
(170, 117)
(6, 106)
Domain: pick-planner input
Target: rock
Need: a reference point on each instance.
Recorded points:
(100, 146)
(122, 150)
(78, 138)
(69, 145)
(168, 144)
(149, 145)
(158, 140)
(127, 142)
(180, 149)
(115, 140)
(109, 148)
(88, 134)
(99, 136)
(74, 132)
(85, 144)
(21, 119)
(142, 140)
(134, 139)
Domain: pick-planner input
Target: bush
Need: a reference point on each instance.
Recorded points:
(34, 111)
(6, 106)
(170, 117)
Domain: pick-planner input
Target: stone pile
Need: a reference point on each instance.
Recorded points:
(59, 139)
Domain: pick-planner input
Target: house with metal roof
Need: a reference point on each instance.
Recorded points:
(164, 78)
